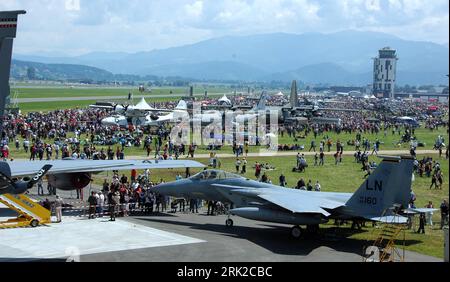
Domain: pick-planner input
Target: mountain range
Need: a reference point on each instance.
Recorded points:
(343, 58)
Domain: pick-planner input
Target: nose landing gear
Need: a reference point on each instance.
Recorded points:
(296, 232)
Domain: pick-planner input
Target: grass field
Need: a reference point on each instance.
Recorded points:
(121, 94)
(425, 135)
(51, 106)
(86, 92)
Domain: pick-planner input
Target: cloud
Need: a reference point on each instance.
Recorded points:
(72, 5)
(195, 9)
(77, 26)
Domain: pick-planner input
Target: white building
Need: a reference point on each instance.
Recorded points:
(384, 73)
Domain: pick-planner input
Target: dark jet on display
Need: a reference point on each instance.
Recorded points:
(16, 186)
(388, 185)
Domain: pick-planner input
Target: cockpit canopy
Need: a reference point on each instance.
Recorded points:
(212, 174)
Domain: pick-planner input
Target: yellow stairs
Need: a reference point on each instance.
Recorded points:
(386, 242)
(383, 249)
(30, 213)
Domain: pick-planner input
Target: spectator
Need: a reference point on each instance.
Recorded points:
(100, 203)
(444, 213)
(421, 223)
(282, 180)
(429, 215)
(238, 165)
(309, 186)
(92, 200)
(317, 186)
(244, 166)
(58, 208)
(301, 184)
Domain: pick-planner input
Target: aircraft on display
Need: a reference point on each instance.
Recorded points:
(225, 102)
(67, 174)
(141, 114)
(253, 113)
(72, 174)
(389, 185)
(407, 120)
(16, 186)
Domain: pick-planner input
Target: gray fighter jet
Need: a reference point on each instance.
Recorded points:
(388, 185)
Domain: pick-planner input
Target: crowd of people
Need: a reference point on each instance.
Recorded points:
(79, 133)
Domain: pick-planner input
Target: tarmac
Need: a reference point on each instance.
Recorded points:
(179, 237)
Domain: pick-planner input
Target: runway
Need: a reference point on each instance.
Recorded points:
(107, 98)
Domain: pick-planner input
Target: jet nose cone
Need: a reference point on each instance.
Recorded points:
(174, 188)
(162, 188)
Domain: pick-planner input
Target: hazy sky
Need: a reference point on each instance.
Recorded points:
(81, 26)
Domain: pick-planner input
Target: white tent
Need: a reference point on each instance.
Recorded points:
(142, 105)
(224, 100)
(279, 94)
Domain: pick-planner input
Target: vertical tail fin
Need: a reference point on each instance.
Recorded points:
(389, 184)
(261, 106)
(181, 105)
(294, 95)
(8, 27)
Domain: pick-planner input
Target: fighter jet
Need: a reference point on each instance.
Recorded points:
(388, 185)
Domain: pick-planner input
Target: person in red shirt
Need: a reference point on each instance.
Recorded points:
(257, 170)
(133, 175)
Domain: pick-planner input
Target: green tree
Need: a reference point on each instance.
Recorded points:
(31, 73)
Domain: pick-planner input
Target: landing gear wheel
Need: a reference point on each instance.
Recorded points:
(229, 222)
(296, 232)
(34, 223)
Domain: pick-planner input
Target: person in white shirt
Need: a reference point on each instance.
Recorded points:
(100, 203)
(147, 175)
(317, 186)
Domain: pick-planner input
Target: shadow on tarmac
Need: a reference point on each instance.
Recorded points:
(277, 239)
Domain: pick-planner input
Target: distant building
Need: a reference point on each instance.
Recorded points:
(384, 73)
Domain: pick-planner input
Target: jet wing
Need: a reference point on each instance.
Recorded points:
(101, 107)
(24, 168)
(296, 201)
(167, 117)
(390, 219)
(295, 205)
(420, 210)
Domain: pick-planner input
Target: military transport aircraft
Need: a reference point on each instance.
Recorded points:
(72, 174)
(388, 185)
